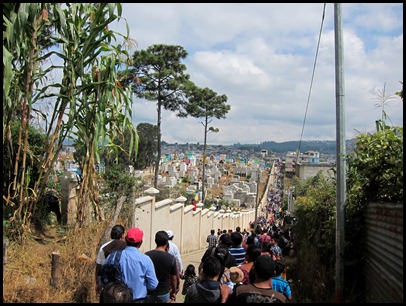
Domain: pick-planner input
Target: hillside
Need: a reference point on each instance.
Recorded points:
(324, 147)
(327, 147)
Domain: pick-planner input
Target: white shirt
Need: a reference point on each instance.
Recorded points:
(174, 250)
(100, 256)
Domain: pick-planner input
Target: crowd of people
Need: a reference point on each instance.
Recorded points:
(250, 266)
(237, 266)
(245, 266)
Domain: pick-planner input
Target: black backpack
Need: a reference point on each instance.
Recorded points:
(110, 271)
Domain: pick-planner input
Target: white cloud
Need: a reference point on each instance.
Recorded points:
(262, 56)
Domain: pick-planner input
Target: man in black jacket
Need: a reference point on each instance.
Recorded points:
(208, 289)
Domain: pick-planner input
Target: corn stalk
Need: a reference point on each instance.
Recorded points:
(88, 102)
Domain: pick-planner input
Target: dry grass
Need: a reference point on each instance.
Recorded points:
(311, 282)
(27, 274)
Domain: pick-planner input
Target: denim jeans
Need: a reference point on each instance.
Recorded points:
(164, 298)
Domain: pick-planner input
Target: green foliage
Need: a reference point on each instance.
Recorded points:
(148, 145)
(375, 174)
(206, 104)
(314, 233)
(118, 181)
(400, 93)
(173, 193)
(375, 169)
(101, 110)
(35, 150)
(119, 151)
(186, 179)
(224, 203)
(88, 102)
(158, 75)
(315, 210)
(36, 142)
(26, 35)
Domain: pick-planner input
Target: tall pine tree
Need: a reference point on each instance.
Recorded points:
(206, 104)
(158, 75)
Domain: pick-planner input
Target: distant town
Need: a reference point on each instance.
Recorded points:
(240, 161)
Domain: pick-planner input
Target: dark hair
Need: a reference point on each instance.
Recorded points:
(279, 267)
(161, 238)
(236, 238)
(221, 253)
(117, 292)
(258, 230)
(238, 229)
(264, 267)
(117, 231)
(226, 240)
(212, 232)
(265, 246)
(250, 240)
(190, 270)
(211, 266)
(252, 253)
(133, 244)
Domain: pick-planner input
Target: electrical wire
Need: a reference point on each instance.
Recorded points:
(311, 83)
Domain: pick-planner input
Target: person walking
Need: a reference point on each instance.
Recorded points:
(166, 270)
(237, 250)
(222, 253)
(260, 290)
(224, 241)
(253, 252)
(138, 268)
(174, 250)
(208, 289)
(279, 283)
(264, 236)
(276, 250)
(115, 244)
(212, 239)
(189, 278)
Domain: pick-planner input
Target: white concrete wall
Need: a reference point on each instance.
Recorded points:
(190, 228)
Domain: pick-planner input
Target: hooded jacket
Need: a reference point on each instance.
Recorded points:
(204, 291)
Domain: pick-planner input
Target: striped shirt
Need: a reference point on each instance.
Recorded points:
(238, 253)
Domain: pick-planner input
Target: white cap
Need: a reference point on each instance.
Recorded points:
(170, 234)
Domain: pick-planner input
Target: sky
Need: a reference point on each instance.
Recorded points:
(276, 64)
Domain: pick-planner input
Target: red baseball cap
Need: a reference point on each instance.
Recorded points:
(134, 234)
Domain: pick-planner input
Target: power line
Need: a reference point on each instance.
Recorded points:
(311, 82)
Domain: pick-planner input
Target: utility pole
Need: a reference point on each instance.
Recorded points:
(340, 155)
